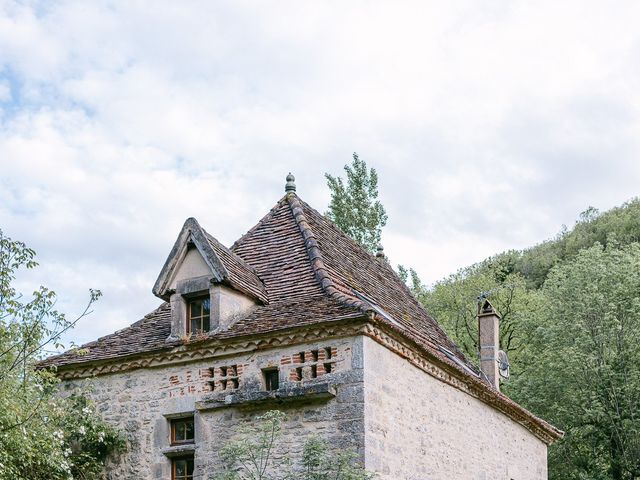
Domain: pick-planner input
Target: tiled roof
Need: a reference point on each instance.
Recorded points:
(275, 252)
(239, 275)
(311, 273)
(146, 335)
(363, 277)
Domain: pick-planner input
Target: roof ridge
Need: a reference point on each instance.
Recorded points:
(386, 265)
(315, 256)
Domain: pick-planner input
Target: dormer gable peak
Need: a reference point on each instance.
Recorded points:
(192, 239)
(197, 254)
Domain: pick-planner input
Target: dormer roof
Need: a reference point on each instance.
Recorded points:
(225, 267)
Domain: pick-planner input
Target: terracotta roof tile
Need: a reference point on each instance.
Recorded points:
(309, 270)
(240, 275)
(146, 335)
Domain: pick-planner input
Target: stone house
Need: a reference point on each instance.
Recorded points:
(297, 316)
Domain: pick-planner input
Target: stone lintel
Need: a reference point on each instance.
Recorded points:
(194, 285)
(285, 394)
(179, 450)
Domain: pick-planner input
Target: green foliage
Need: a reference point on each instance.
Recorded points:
(318, 463)
(512, 279)
(454, 303)
(254, 454)
(250, 455)
(571, 325)
(618, 226)
(583, 362)
(354, 205)
(42, 436)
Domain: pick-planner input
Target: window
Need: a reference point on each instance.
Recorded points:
(182, 431)
(182, 468)
(271, 378)
(199, 312)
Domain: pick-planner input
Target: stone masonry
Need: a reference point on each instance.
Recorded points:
(141, 402)
(418, 428)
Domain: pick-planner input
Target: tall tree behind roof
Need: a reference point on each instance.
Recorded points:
(354, 205)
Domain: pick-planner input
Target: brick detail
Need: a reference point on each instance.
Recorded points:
(313, 363)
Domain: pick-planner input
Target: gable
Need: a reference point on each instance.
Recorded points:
(192, 265)
(196, 254)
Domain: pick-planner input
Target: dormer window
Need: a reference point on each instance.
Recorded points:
(199, 315)
(208, 286)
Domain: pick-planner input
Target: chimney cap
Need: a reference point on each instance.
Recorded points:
(485, 307)
(380, 251)
(290, 186)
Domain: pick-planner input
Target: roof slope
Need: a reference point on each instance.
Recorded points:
(238, 274)
(310, 272)
(370, 279)
(275, 251)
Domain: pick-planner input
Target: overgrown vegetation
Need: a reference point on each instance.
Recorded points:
(42, 436)
(254, 454)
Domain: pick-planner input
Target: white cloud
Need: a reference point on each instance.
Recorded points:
(490, 124)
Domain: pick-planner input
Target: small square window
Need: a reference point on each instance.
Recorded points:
(182, 468)
(182, 431)
(271, 379)
(198, 315)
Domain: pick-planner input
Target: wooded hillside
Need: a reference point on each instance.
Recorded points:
(570, 310)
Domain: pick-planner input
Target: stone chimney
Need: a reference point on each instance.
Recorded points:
(489, 341)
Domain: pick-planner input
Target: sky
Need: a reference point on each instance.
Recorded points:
(490, 123)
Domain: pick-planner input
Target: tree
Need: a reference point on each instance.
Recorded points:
(252, 456)
(42, 436)
(354, 205)
(583, 361)
(453, 301)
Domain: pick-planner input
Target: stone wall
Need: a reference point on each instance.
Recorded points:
(419, 428)
(139, 402)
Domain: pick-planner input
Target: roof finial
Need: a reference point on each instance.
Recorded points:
(380, 251)
(291, 183)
